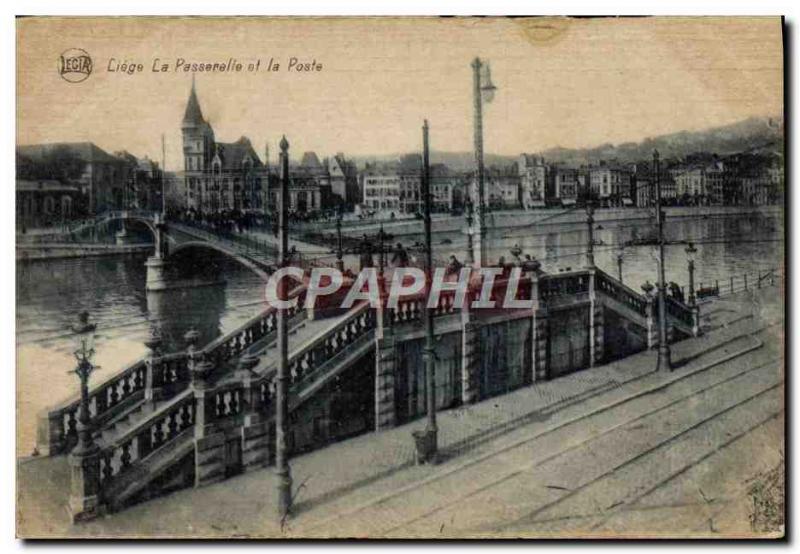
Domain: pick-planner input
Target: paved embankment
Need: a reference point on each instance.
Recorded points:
(546, 218)
(598, 452)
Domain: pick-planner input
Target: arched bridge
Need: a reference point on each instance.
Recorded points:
(172, 237)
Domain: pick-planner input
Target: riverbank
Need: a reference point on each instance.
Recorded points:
(54, 251)
(620, 449)
(516, 219)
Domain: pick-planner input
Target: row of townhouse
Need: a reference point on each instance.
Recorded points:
(56, 182)
(741, 179)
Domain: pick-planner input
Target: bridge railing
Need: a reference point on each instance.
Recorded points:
(620, 292)
(304, 364)
(738, 283)
(678, 311)
(563, 284)
(57, 425)
(150, 434)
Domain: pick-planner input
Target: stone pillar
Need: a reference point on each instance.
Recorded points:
(156, 278)
(122, 237)
(534, 278)
(470, 353)
(592, 313)
(209, 443)
(695, 320)
(598, 325)
(255, 430)
(652, 326)
(540, 368)
(385, 368)
(84, 497)
(153, 345)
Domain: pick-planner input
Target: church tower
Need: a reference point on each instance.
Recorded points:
(198, 149)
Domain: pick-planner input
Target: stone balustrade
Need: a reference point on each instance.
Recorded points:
(146, 436)
(57, 426)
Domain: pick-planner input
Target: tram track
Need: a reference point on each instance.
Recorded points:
(377, 503)
(522, 470)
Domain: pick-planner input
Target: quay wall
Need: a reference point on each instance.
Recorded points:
(509, 219)
(50, 251)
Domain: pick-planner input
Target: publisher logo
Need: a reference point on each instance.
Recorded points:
(75, 65)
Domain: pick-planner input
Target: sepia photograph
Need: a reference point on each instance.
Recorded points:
(400, 277)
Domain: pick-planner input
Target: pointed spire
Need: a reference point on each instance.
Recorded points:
(193, 115)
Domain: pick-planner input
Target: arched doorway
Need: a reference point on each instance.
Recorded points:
(302, 201)
(66, 206)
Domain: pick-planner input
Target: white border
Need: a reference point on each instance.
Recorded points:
(319, 7)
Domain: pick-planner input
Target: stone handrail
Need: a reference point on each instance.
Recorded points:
(620, 292)
(57, 426)
(322, 348)
(561, 284)
(680, 311)
(147, 436)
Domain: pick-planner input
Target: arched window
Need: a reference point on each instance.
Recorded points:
(49, 205)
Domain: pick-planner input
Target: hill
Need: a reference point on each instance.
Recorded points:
(756, 134)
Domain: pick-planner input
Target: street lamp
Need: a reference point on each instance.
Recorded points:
(426, 440)
(84, 332)
(620, 255)
(590, 229)
(664, 354)
(469, 217)
(282, 469)
(690, 253)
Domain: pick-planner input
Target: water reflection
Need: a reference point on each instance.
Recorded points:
(725, 246)
(173, 312)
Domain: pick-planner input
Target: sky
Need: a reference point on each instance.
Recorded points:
(561, 82)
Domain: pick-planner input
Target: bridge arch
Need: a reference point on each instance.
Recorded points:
(251, 265)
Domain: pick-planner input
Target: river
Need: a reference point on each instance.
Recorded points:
(50, 293)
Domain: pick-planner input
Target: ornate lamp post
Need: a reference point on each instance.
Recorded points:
(84, 461)
(590, 229)
(426, 440)
(690, 253)
(282, 468)
(664, 353)
(620, 255)
(382, 251)
(482, 91)
(84, 334)
(469, 217)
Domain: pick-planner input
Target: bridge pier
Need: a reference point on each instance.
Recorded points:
(156, 273)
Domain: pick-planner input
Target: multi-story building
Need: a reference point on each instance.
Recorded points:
(447, 188)
(343, 178)
(218, 176)
(502, 187)
(100, 177)
(564, 184)
(610, 183)
(393, 187)
(533, 175)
